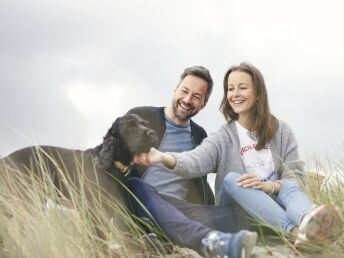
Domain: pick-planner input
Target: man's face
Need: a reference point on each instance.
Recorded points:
(189, 97)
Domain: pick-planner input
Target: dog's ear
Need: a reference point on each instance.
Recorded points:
(110, 147)
(113, 129)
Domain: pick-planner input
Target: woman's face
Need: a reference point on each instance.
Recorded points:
(241, 93)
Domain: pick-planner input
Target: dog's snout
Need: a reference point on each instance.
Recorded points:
(153, 138)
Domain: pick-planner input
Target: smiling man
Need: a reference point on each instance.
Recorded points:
(177, 132)
(183, 207)
(188, 100)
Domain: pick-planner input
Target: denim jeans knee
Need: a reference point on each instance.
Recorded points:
(255, 202)
(232, 177)
(288, 187)
(230, 181)
(229, 185)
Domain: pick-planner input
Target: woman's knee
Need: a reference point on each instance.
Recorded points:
(291, 186)
(230, 181)
(288, 188)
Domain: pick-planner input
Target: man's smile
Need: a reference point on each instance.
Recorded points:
(184, 108)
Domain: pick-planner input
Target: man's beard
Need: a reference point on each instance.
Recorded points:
(178, 116)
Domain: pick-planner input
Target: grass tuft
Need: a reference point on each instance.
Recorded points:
(36, 220)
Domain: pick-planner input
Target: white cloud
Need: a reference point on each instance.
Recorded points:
(74, 66)
(98, 104)
(93, 101)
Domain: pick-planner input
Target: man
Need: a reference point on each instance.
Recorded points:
(183, 207)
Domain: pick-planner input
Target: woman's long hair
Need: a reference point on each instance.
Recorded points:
(262, 121)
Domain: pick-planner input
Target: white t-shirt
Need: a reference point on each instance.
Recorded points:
(256, 162)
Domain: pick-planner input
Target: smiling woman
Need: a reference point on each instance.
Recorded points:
(241, 95)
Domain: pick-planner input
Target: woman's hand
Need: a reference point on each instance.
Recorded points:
(147, 159)
(154, 156)
(251, 180)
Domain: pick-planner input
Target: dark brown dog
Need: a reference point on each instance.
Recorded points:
(97, 167)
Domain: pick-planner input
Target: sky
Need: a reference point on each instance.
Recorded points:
(68, 69)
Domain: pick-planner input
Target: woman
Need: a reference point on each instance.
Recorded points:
(256, 160)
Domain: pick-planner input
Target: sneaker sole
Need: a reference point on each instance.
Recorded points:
(248, 242)
(325, 226)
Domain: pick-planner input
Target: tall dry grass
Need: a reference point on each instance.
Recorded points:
(36, 221)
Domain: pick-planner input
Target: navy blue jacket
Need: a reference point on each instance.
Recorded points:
(199, 190)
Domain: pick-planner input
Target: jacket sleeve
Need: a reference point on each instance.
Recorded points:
(292, 165)
(199, 161)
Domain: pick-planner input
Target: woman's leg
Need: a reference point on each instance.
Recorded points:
(257, 203)
(322, 224)
(295, 201)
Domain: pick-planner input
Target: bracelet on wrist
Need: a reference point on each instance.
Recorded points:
(273, 188)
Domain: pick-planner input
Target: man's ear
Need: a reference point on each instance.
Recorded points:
(204, 103)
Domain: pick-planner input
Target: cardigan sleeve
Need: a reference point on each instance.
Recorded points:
(199, 161)
(292, 165)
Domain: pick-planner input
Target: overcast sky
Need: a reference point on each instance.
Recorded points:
(69, 68)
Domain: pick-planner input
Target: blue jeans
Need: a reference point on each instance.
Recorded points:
(185, 223)
(286, 211)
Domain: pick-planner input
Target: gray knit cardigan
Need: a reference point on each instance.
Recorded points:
(220, 153)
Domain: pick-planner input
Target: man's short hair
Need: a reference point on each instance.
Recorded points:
(201, 72)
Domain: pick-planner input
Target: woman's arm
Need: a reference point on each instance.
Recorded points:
(190, 164)
(154, 156)
(251, 180)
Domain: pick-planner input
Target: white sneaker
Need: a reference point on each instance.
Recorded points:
(323, 225)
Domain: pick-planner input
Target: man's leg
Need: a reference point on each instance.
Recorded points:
(231, 218)
(191, 233)
(177, 227)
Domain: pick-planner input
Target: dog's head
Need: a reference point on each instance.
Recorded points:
(128, 135)
(135, 135)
